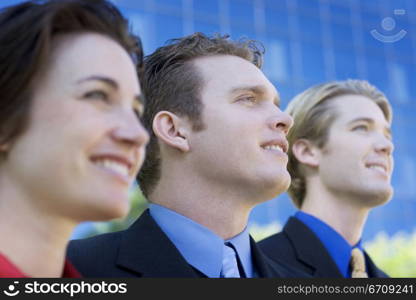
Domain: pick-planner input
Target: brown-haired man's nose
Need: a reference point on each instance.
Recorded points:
(282, 122)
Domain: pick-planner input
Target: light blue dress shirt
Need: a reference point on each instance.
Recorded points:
(201, 247)
(339, 249)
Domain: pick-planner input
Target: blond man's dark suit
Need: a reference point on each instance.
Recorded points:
(299, 247)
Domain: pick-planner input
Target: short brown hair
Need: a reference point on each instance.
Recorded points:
(172, 83)
(26, 34)
(313, 116)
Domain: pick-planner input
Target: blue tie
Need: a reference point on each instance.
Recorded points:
(229, 263)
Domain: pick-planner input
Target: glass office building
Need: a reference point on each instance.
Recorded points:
(308, 42)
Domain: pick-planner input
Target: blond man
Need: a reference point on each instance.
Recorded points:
(340, 160)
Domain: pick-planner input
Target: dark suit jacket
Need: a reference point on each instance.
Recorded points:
(300, 248)
(143, 250)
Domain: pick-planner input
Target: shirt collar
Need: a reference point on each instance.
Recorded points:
(241, 243)
(339, 249)
(9, 270)
(200, 247)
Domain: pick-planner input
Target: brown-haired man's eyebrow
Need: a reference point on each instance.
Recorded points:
(104, 79)
(257, 90)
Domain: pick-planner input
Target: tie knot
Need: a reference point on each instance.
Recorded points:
(358, 269)
(229, 262)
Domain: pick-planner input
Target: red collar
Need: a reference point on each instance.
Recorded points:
(9, 270)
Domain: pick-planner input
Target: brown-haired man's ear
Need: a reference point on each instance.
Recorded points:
(171, 130)
(306, 152)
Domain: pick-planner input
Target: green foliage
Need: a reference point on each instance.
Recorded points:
(260, 232)
(396, 255)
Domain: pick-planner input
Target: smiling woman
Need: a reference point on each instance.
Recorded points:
(71, 141)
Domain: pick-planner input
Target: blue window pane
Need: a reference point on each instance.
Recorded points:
(238, 32)
(207, 28)
(167, 27)
(370, 5)
(313, 62)
(402, 49)
(309, 6)
(141, 25)
(406, 176)
(242, 12)
(310, 27)
(340, 13)
(411, 5)
(342, 34)
(411, 81)
(206, 7)
(399, 79)
(275, 5)
(177, 4)
(277, 60)
(400, 4)
(285, 91)
(377, 72)
(276, 22)
(345, 64)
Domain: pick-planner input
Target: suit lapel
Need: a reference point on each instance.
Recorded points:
(310, 250)
(268, 268)
(373, 271)
(146, 250)
(260, 266)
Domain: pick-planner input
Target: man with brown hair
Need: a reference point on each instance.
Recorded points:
(218, 148)
(340, 160)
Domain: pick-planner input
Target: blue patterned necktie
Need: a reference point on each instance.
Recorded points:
(229, 263)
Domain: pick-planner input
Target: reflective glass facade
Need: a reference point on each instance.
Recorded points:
(308, 42)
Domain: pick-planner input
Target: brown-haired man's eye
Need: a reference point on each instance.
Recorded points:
(97, 94)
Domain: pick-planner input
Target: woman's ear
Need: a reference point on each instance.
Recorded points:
(306, 152)
(171, 130)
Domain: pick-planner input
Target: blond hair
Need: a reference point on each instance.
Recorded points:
(313, 115)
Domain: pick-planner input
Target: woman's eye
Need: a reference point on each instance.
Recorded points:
(250, 99)
(97, 94)
(360, 128)
(138, 112)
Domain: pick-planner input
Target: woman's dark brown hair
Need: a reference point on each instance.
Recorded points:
(26, 35)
